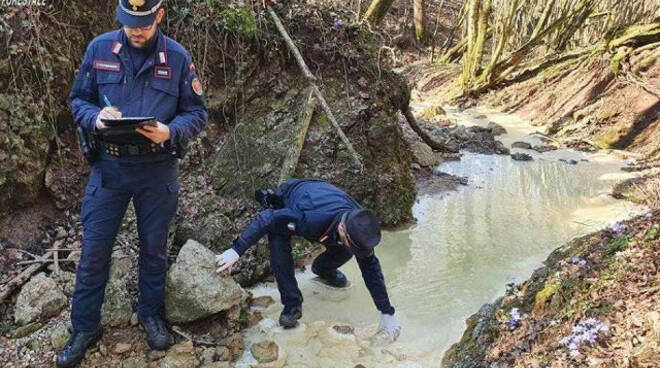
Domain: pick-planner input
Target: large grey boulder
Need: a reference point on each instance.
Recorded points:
(39, 299)
(194, 290)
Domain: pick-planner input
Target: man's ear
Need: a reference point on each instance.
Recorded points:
(160, 15)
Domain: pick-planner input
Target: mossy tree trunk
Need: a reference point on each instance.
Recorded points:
(377, 11)
(418, 17)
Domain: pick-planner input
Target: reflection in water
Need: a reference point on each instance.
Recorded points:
(468, 245)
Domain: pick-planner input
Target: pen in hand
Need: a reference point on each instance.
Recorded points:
(108, 112)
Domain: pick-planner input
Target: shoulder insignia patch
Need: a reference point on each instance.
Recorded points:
(197, 86)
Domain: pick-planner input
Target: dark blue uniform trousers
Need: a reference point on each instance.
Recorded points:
(282, 266)
(153, 187)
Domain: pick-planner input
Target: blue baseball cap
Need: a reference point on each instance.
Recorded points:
(138, 13)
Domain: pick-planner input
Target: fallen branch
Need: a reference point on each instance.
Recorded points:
(41, 261)
(22, 278)
(291, 162)
(312, 81)
(190, 338)
(423, 135)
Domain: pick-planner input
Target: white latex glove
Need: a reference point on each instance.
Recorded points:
(107, 113)
(390, 326)
(226, 260)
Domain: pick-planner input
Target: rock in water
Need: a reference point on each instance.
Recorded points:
(519, 156)
(265, 351)
(544, 148)
(523, 145)
(194, 290)
(496, 129)
(39, 299)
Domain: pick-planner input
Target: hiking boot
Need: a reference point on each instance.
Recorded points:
(157, 336)
(74, 350)
(289, 319)
(335, 279)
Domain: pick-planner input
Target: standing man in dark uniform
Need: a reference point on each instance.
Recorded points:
(316, 211)
(139, 72)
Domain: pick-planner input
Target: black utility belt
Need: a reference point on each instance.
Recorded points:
(132, 149)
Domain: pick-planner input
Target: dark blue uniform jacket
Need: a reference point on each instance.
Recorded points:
(312, 209)
(162, 87)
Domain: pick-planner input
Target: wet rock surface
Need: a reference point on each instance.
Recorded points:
(496, 129)
(520, 156)
(265, 351)
(523, 145)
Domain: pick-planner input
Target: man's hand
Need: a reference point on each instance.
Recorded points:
(390, 326)
(226, 260)
(107, 113)
(158, 133)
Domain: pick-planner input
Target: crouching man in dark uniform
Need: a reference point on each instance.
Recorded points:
(317, 211)
(139, 72)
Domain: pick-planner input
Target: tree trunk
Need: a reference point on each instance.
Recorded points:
(471, 22)
(418, 15)
(377, 11)
(544, 18)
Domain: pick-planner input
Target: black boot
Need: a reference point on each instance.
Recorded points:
(157, 336)
(74, 350)
(335, 279)
(289, 318)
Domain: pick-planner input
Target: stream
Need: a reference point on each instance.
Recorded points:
(464, 248)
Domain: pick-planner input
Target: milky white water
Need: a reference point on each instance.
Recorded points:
(463, 250)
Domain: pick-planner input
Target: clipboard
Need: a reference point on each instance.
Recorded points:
(125, 124)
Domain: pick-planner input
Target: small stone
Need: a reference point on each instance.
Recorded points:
(59, 335)
(265, 351)
(134, 319)
(344, 329)
(542, 149)
(103, 349)
(26, 330)
(519, 156)
(223, 353)
(135, 362)
(262, 301)
(254, 318)
(218, 365)
(121, 348)
(180, 356)
(156, 355)
(208, 356)
(496, 129)
(523, 145)
(60, 233)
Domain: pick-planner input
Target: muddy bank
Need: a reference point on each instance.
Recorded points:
(585, 103)
(604, 284)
